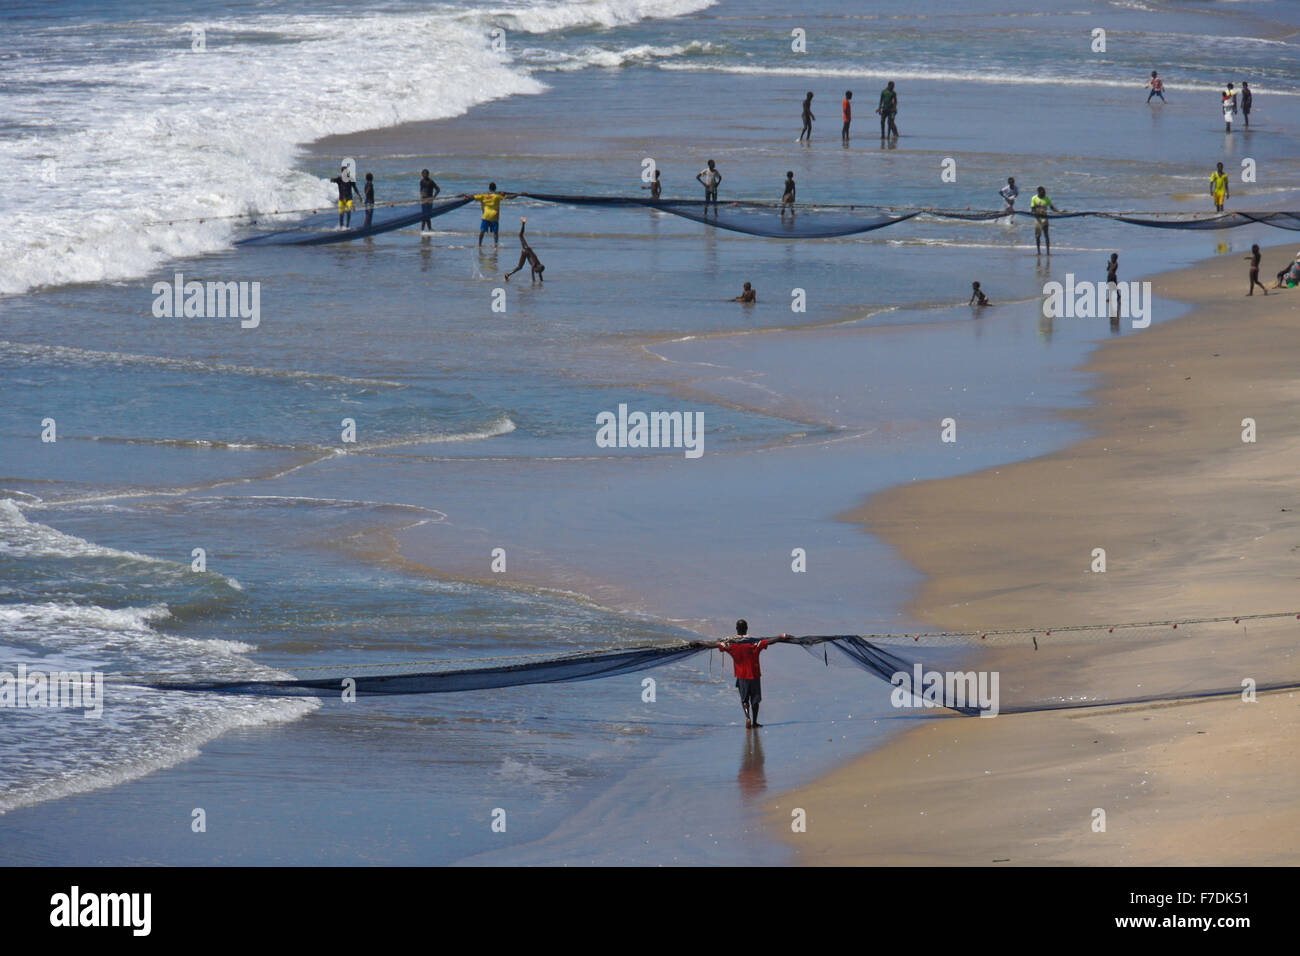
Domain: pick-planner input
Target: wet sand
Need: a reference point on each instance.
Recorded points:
(1195, 522)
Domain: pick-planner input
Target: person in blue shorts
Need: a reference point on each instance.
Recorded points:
(491, 203)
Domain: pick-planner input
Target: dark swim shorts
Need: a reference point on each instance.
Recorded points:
(751, 691)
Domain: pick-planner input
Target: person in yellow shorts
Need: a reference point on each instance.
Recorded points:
(1219, 187)
(491, 203)
(347, 188)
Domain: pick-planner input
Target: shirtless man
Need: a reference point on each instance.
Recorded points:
(656, 187)
(1156, 86)
(787, 194)
(428, 192)
(1114, 297)
(526, 254)
(805, 134)
(748, 296)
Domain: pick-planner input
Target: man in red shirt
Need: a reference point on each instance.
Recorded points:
(749, 679)
(848, 115)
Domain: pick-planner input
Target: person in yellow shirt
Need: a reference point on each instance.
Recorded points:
(1219, 187)
(491, 203)
(1039, 204)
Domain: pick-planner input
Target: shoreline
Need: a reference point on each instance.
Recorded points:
(656, 373)
(999, 550)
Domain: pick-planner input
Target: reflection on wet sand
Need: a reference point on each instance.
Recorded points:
(751, 778)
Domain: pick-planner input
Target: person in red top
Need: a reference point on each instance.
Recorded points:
(749, 679)
(848, 115)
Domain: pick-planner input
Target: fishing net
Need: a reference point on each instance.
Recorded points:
(442, 677)
(766, 219)
(1280, 220)
(323, 228)
(771, 220)
(1086, 666)
(1028, 670)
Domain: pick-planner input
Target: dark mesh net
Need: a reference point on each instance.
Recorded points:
(442, 677)
(1072, 667)
(770, 220)
(323, 228)
(1230, 220)
(766, 219)
(1090, 665)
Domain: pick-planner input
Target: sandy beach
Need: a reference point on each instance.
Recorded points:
(1195, 523)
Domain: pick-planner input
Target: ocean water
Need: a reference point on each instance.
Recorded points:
(141, 157)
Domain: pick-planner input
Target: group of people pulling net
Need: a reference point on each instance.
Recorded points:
(776, 220)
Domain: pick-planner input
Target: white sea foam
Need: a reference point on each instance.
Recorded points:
(502, 425)
(533, 17)
(14, 617)
(106, 634)
(27, 539)
(71, 355)
(21, 537)
(59, 755)
(54, 753)
(531, 773)
(1000, 78)
(596, 56)
(115, 151)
